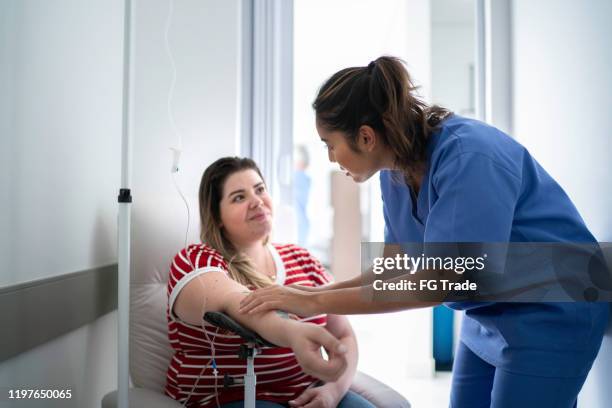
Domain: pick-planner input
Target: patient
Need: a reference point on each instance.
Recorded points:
(236, 217)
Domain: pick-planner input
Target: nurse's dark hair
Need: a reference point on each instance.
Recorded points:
(212, 233)
(383, 96)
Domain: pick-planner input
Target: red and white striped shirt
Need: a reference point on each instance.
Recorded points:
(279, 376)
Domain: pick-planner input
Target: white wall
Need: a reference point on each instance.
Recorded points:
(61, 69)
(562, 99)
(84, 361)
(452, 55)
(203, 39)
(60, 122)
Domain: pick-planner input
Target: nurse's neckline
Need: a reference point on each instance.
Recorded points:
(416, 179)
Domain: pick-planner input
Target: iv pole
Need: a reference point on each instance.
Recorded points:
(124, 216)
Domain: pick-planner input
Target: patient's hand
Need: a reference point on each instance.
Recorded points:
(306, 341)
(325, 396)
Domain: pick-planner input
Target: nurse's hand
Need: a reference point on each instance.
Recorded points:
(289, 299)
(306, 341)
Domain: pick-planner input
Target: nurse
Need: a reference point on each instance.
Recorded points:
(445, 178)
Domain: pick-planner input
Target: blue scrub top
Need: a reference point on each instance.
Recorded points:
(483, 186)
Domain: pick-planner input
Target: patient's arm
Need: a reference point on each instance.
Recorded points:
(216, 292)
(331, 393)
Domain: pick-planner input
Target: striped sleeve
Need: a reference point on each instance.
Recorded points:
(188, 264)
(323, 276)
(303, 268)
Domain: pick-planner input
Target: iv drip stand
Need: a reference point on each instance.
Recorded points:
(124, 216)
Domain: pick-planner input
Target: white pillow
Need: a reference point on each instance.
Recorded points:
(158, 234)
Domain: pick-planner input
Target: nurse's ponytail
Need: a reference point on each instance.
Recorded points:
(382, 96)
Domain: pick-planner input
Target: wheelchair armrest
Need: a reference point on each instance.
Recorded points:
(223, 321)
(379, 394)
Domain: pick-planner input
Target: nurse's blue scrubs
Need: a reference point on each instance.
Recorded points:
(482, 186)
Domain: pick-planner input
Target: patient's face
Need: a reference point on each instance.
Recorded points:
(246, 208)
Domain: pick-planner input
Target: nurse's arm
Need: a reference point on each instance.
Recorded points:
(360, 300)
(356, 300)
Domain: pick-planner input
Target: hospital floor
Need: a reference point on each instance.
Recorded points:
(392, 362)
(425, 392)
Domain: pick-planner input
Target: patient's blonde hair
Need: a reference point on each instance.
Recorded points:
(241, 269)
